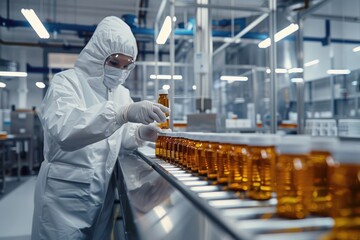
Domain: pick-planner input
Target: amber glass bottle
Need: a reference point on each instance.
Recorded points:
(222, 158)
(262, 166)
(344, 185)
(293, 177)
(239, 164)
(211, 147)
(164, 100)
(320, 194)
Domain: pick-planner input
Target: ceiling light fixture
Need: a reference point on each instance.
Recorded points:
(356, 49)
(280, 35)
(164, 31)
(338, 71)
(165, 77)
(234, 78)
(311, 63)
(40, 84)
(35, 23)
(297, 80)
(13, 74)
(296, 70)
(166, 87)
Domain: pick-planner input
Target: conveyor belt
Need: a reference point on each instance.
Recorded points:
(229, 215)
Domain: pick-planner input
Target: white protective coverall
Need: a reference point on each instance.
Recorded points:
(75, 192)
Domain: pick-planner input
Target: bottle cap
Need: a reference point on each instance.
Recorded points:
(163, 91)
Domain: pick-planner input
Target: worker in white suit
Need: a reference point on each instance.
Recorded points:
(88, 117)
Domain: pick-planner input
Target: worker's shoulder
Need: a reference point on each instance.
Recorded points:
(65, 75)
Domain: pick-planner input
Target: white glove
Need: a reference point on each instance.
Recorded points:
(144, 112)
(149, 132)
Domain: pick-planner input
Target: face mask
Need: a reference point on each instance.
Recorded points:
(114, 76)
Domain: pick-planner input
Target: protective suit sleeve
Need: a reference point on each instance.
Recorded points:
(130, 137)
(70, 122)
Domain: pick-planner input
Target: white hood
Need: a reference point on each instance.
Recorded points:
(112, 35)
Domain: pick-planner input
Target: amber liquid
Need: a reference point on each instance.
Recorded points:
(201, 156)
(262, 170)
(174, 143)
(176, 151)
(223, 162)
(344, 180)
(239, 173)
(320, 195)
(163, 99)
(168, 148)
(192, 158)
(183, 152)
(158, 146)
(210, 159)
(294, 184)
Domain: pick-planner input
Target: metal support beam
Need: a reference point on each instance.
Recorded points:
(203, 57)
(172, 62)
(336, 18)
(160, 11)
(300, 86)
(313, 8)
(273, 58)
(247, 29)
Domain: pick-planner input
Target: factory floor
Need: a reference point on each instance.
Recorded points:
(17, 206)
(16, 209)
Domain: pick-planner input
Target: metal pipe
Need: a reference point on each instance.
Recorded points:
(161, 10)
(243, 32)
(224, 7)
(172, 63)
(156, 55)
(336, 18)
(272, 56)
(300, 86)
(255, 92)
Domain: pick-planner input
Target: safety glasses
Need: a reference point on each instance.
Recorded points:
(120, 61)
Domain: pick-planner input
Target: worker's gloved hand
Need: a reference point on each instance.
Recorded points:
(149, 132)
(144, 112)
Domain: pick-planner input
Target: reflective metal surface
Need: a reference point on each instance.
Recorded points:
(157, 209)
(167, 202)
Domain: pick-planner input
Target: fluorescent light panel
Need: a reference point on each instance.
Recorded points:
(164, 31)
(280, 35)
(297, 80)
(311, 63)
(166, 87)
(338, 71)
(40, 84)
(234, 78)
(35, 23)
(165, 77)
(296, 70)
(2, 85)
(277, 70)
(12, 74)
(356, 49)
